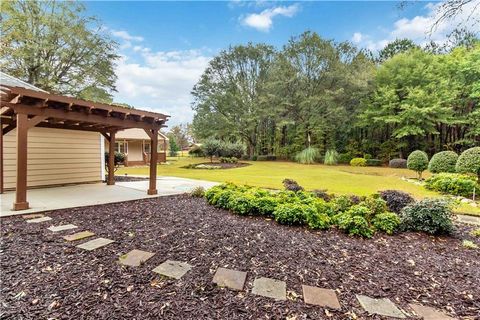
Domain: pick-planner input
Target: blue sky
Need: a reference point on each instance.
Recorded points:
(165, 46)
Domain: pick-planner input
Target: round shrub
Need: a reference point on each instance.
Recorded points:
(469, 162)
(453, 183)
(358, 162)
(398, 163)
(387, 222)
(376, 205)
(344, 158)
(417, 161)
(355, 225)
(316, 220)
(242, 203)
(266, 205)
(374, 162)
(291, 185)
(433, 216)
(293, 213)
(396, 200)
(196, 151)
(342, 203)
(443, 162)
(324, 207)
(223, 198)
(359, 210)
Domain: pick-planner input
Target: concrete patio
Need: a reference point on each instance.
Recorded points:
(45, 199)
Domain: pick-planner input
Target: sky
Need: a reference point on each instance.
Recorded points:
(166, 46)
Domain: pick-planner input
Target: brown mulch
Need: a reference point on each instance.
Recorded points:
(43, 276)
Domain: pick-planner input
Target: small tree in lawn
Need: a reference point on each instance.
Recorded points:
(418, 162)
(469, 162)
(212, 148)
(173, 148)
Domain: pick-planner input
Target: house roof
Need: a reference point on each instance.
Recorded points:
(8, 80)
(136, 134)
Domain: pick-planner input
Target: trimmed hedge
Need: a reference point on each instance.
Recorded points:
(358, 162)
(453, 183)
(469, 162)
(433, 216)
(444, 161)
(398, 163)
(374, 162)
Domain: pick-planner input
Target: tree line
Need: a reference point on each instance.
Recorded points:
(324, 94)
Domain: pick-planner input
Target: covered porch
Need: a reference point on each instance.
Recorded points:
(23, 109)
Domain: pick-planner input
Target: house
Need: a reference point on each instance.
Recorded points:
(48, 139)
(135, 144)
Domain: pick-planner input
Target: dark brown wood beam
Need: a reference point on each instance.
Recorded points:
(21, 202)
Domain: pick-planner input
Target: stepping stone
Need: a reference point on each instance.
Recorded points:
(229, 278)
(62, 227)
(270, 288)
(78, 236)
(383, 307)
(38, 220)
(320, 297)
(428, 313)
(95, 244)
(135, 258)
(173, 269)
(33, 216)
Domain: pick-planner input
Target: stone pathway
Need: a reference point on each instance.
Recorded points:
(320, 297)
(173, 269)
(270, 288)
(383, 307)
(135, 258)
(62, 227)
(95, 244)
(79, 236)
(38, 220)
(235, 280)
(229, 278)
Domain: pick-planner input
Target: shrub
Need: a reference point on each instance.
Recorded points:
(197, 192)
(317, 220)
(374, 162)
(292, 185)
(475, 232)
(211, 148)
(267, 158)
(469, 162)
(361, 211)
(433, 216)
(242, 203)
(292, 213)
(266, 205)
(396, 200)
(344, 158)
(118, 159)
(322, 194)
(443, 162)
(398, 163)
(222, 199)
(417, 161)
(452, 183)
(331, 157)
(376, 205)
(358, 162)
(196, 151)
(231, 150)
(387, 222)
(228, 160)
(355, 225)
(342, 203)
(469, 244)
(324, 207)
(307, 156)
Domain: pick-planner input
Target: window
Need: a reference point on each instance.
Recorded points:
(146, 147)
(121, 146)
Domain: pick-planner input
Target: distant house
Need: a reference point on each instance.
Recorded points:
(135, 144)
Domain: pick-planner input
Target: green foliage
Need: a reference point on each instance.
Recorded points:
(317, 220)
(231, 150)
(355, 225)
(196, 151)
(212, 148)
(266, 205)
(387, 222)
(395, 47)
(307, 156)
(344, 158)
(443, 162)
(417, 161)
(56, 46)
(324, 207)
(331, 157)
(469, 162)
(360, 210)
(475, 232)
(342, 203)
(228, 160)
(433, 216)
(469, 244)
(374, 162)
(173, 148)
(197, 192)
(358, 162)
(293, 213)
(375, 204)
(242, 203)
(453, 183)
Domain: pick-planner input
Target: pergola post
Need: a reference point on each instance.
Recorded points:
(111, 159)
(1, 156)
(153, 163)
(21, 186)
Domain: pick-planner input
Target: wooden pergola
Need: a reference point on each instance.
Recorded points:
(23, 109)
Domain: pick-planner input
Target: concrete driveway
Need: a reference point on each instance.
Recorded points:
(45, 199)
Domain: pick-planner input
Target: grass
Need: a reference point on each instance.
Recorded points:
(270, 174)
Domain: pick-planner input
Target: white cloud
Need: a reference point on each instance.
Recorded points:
(422, 29)
(263, 21)
(161, 81)
(124, 35)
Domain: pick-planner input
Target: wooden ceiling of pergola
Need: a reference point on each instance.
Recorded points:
(62, 112)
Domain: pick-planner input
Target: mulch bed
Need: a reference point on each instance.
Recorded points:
(43, 276)
(219, 164)
(127, 178)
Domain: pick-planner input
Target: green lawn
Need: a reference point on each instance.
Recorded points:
(269, 174)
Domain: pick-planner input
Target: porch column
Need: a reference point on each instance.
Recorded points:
(111, 159)
(21, 186)
(1, 156)
(153, 163)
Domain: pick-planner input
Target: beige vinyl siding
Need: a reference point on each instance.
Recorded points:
(55, 156)
(135, 152)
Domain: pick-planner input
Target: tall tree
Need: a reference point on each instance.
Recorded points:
(395, 47)
(180, 134)
(54, 46)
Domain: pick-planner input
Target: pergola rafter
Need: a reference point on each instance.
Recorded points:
(23, 109)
